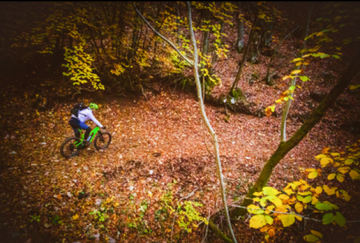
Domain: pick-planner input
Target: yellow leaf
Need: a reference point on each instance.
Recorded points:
(286, 77)
(331, 176)
(296, 72)
(257, 221)
(287, 219)
(340, 177)
(282, 208)
(318, 234)
(354, 175)
(328, 190)
(318, 190)
(275, 200)
(320, 156)
(337, 164)
(313, 175)
(335, 154)
(325, 161)
(344, 169)
(288, 191)
(314, 200)
(269, 208)
(75, 217)
(297, 59)
(283, 197)
(298, 218)
(299, 207)
(258, 194)
(37, 113)
(346, 195)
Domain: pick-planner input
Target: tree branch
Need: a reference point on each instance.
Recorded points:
(169, 42)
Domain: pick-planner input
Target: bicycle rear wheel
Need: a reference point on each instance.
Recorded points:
(68, 148)
(102, 140)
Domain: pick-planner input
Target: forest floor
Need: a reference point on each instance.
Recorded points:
(155, 142)
(161, 153)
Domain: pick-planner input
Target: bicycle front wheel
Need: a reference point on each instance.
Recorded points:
(70, 148)
(102, 140)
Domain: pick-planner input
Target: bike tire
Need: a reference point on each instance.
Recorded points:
(102, 140)
(66, 150)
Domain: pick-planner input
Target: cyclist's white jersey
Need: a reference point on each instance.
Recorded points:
(85, 115)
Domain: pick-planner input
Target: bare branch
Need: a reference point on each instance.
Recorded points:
(169, 42)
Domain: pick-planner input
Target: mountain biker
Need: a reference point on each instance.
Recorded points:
(84, 113)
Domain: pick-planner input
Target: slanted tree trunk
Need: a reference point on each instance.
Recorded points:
(239, 45)
(292, 83)
(285, 147)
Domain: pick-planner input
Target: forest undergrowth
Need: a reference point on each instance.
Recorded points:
(158, 148)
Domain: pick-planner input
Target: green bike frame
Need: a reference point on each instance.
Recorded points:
(91, 135)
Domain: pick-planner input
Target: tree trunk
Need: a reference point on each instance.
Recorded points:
(238, 75)
(285, 147)
(207, 124)
(205, 41)
(239, 45)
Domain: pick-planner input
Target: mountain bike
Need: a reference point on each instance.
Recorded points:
(71, 146)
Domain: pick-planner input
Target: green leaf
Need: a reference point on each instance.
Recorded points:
(349, 161)
(324, 55)
(336, 56)
(339, 219)
(323, 206)
(269, 219)
(307, 199)
(328, 218)
(304, 78)
(292, 87)
(268, 191)
(253, 209)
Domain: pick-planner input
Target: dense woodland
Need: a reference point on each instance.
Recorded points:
(230, 121)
